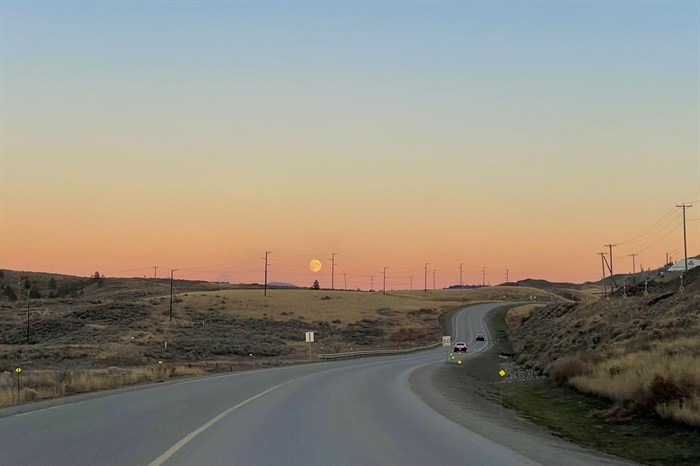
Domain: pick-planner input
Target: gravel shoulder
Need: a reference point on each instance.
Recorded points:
(465, 395)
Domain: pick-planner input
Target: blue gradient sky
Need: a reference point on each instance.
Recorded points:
(508, 134)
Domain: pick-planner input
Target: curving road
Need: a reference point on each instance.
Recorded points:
(357, 412)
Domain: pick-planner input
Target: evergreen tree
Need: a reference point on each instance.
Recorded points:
(10, 293)
(34, 293)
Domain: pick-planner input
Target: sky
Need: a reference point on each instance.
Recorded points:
(197, 136)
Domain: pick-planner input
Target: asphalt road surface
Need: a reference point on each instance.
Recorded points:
(353, 412)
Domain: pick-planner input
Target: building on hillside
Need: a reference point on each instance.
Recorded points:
(680, 265)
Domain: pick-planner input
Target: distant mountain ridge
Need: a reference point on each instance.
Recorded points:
(547, 285)
(282, 285)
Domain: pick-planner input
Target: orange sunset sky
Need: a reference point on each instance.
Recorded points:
(197, 136)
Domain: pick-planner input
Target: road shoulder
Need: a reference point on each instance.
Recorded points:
(461, 393)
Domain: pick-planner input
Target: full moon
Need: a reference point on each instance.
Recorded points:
(315, 265)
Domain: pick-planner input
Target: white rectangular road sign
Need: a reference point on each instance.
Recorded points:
(446, 340)
(309, 337)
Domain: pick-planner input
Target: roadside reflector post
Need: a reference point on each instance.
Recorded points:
(502, 373)
(18, 371)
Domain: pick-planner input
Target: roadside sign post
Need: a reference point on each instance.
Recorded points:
(446, 342)
(310, 339)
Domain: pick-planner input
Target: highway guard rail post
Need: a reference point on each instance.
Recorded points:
(368, 353)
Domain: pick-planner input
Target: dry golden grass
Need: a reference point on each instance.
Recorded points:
(314, 305)
(49, 384)
(349, 306)
(667, 377)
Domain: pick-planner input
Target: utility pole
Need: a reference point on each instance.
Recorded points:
(434, 279)
(371, 283)
(345, 280)
(411, 283)
(507, 275)
(266, 265)
(333, 270)
(634, 266)
(613, 283)
(384, 291)
(611, 257)
(685, 243)
(460, 274)
(425, 289)
(155, 273)
(172, 272)
(483, 276)
(602, 280)
(27, 316)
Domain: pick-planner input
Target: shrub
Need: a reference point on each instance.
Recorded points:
(564, 369)
(663, 390)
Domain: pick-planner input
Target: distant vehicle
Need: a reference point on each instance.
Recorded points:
(480, 337)
(460, 346)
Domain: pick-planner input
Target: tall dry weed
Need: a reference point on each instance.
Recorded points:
(666, 378)
(687, 411)
(49, 384)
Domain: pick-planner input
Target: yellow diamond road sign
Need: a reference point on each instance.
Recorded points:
(18, 369)
(502, 373)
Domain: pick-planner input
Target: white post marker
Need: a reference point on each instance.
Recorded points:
(310, 339)
(446, 342)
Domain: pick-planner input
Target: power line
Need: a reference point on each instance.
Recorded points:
(664, 236)
(649, 230)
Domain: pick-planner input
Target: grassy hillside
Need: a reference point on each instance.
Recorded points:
(641, 350)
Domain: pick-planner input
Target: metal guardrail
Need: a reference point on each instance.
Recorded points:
(368, 353)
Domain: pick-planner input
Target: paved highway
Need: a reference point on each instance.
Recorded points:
(354, 412)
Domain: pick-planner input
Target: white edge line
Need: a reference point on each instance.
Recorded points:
(39, 410)
(186, 439)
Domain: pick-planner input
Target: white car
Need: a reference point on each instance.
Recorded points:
(460, 346)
